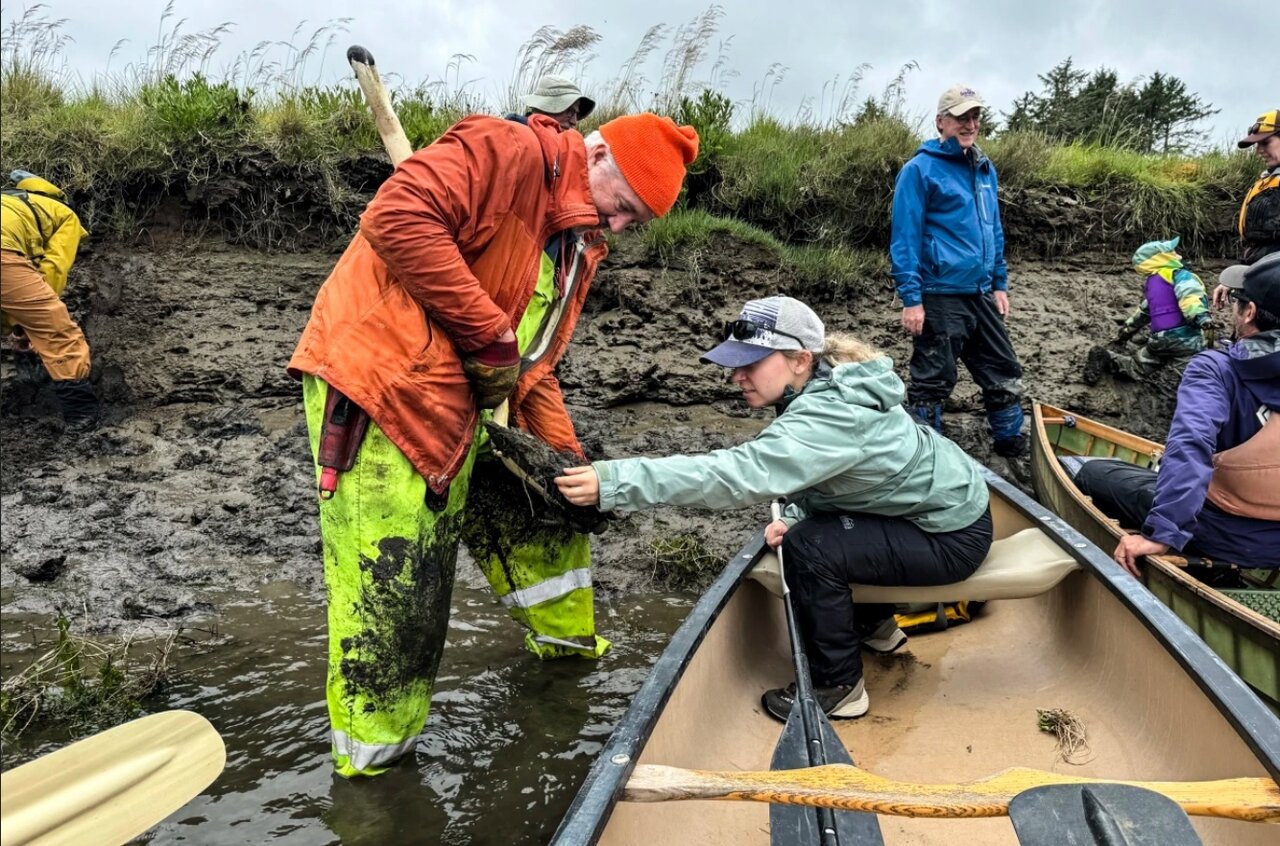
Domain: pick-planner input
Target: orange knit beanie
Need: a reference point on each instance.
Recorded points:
(652, 153)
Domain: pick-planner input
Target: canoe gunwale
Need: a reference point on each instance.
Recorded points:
(588, 815)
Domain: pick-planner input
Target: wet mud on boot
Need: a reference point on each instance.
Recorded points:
(79, 405)
(29, 368)
(1096, 366)
(842, 702)
(536, 464)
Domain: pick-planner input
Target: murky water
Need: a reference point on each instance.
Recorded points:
(508, 740)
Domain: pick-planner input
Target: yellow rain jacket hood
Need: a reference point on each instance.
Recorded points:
(36, 222)
(1157, 257)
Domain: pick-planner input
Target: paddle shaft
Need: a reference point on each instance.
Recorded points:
(804, 692)
(391, 131)
(852, 789)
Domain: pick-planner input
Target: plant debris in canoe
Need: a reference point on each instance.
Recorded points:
(1073, 741)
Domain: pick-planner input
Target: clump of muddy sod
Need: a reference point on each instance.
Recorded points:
(536, 465)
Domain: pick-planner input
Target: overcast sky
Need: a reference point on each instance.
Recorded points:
(1218, 48)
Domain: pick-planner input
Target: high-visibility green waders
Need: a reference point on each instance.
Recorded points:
(389, 563)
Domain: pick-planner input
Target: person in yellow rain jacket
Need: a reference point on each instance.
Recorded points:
(39, 236)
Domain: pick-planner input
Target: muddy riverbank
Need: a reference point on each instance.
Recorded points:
(200, 479)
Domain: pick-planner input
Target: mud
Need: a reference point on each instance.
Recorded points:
(200, 478)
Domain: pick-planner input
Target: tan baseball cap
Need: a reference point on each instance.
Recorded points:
(959, 99)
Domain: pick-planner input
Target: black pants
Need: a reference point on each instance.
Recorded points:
(823, 554)
(964, 327)
(1121, 490)
(1125, 492)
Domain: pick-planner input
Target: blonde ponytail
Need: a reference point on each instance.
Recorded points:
(841, 348)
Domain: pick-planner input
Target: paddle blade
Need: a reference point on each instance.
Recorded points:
(789, 824)
(109, 788)
(1099, 815)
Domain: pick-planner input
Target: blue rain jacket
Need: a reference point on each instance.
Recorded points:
(947, 237)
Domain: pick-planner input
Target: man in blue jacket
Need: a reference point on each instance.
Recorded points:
(1217, 493)
(947, 255)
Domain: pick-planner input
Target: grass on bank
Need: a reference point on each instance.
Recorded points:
(820, 272)
(271, 159)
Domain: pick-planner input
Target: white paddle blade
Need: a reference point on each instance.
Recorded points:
(109, 788)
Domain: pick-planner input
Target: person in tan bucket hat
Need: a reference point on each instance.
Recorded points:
(561, 99)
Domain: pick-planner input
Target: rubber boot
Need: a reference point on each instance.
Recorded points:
(79, 405)
(930, 414)
(30, 368)
(1097, 365)
(1006, 431)
(1015, 447)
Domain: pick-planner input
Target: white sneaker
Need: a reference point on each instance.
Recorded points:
(854, 704)
(842, 702)
(886, 638)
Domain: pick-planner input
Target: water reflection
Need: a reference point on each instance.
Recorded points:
(508, 740)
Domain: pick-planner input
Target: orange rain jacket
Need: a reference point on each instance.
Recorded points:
(445, 262)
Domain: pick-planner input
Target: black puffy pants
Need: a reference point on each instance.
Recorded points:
(823, 554)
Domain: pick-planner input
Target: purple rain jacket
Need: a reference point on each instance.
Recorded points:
(1223, 401)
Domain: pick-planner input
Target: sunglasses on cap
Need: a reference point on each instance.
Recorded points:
(744, 330)
(1238, 295)
(1262, 126)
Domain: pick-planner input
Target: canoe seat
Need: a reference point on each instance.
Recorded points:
(1024, 564)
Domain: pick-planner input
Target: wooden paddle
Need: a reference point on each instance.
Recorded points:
(854, 789)
(109, 788)
(398, 148)
(809, 741)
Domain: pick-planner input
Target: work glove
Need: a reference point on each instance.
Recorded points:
(1203, 320)
(494, 370)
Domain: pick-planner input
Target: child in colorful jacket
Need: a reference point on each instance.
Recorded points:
(1174, 304)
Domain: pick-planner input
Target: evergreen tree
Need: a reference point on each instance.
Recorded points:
(1160, 115)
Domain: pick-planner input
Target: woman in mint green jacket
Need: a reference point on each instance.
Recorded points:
(874, 497)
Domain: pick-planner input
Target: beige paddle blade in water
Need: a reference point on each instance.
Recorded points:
(851, 789)
(109, 788)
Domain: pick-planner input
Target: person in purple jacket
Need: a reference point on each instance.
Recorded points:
(1217, 493)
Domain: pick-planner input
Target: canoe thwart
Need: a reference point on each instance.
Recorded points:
(852, 789)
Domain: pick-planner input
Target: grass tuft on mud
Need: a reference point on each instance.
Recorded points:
(84, 685)
(683, 562)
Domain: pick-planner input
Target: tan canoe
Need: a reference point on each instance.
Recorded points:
(953, 706)
(1248, 641)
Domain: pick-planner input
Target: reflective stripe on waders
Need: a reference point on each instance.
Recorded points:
(545, 591)
(365, 755)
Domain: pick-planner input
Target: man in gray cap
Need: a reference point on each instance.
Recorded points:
(947, 259)
(560, 99)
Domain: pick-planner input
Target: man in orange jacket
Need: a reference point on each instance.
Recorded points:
(460, 291)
